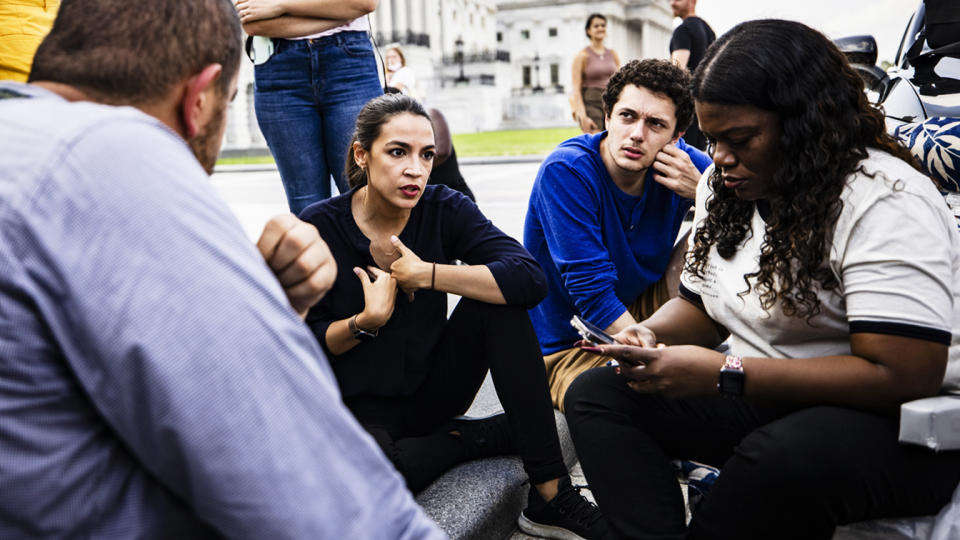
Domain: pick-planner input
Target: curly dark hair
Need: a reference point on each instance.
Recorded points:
(826, 126)
(658, 76)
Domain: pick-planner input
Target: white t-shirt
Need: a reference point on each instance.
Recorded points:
(895, 252)
(359, 24)
(405, 80)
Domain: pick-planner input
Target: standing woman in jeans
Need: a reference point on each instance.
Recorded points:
(309, 91)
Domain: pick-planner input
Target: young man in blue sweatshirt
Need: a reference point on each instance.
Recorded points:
(605, 212)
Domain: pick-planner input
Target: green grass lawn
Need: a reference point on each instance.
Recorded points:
(511, 142)
(245, 160)
(515, 142)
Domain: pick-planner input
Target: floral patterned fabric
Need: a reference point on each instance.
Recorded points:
(936, 144)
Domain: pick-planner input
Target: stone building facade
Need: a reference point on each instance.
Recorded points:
(491, 65)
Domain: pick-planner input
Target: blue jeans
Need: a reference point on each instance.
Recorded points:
(307, 96)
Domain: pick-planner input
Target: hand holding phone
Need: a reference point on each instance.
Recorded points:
(591, 332)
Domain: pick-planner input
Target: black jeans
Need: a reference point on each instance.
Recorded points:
(787, 472)
(478, 336)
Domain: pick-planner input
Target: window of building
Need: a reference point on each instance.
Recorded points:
(552, 32)
(526, 76)
(554, 74)
(524, 34)
(499, 37)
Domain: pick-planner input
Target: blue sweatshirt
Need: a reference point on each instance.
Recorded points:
(599, 247)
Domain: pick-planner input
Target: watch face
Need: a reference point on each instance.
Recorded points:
(731, 383)
(363, 335)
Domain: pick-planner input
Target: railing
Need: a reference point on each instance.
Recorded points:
(531, 90)
(476, 58)
(483, 79)
(403, 38)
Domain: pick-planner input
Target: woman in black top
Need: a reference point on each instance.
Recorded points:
(405, 370)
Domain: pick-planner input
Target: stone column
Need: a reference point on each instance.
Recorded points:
(415, 19)
(385, 10)
(400, 23)
(378, 21)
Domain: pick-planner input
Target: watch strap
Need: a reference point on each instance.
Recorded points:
(359, 333)
(732, 377)
(733, 362)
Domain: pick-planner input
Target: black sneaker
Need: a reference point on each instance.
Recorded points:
(568, 516)
(485, 437)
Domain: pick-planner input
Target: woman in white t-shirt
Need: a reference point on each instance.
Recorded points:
(833, 266)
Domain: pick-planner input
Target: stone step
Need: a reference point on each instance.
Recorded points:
(482, 499)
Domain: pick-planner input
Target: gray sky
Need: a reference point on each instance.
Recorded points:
(884, 19)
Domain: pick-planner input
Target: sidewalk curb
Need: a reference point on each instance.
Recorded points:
(478, 160)
(496, 160)
(252, 167)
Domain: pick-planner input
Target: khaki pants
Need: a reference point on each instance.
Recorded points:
(564, 366)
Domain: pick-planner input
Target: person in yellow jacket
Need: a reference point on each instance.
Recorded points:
(23, 25)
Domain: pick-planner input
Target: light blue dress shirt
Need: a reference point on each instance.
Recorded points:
(154, 381)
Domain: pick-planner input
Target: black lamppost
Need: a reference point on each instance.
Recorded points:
(536, 66)
(459, 58)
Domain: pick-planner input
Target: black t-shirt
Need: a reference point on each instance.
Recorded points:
(943, 22)
(442, 227)
(695, 35)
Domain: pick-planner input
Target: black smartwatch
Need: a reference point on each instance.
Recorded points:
(360, 334)
(731, 377)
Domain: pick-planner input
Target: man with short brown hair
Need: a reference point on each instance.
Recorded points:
(155, 378)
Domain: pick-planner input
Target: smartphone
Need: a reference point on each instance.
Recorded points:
(259, 49)
(590, 332)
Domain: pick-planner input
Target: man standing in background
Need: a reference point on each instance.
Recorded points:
(690, 40)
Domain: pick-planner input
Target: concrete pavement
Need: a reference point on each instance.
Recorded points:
(255, 194)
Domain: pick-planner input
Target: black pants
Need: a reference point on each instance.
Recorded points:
(477, 337)
(786, 472)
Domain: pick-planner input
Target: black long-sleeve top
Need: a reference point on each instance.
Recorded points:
(444, 226)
